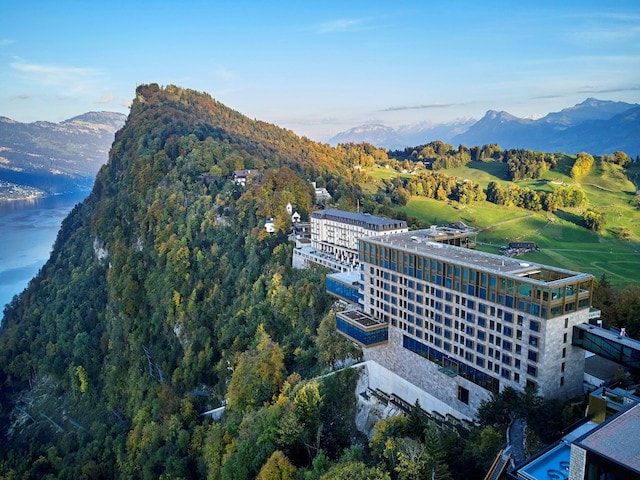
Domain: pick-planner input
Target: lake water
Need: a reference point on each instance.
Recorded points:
(28, 229)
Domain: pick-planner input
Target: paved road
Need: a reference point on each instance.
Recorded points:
(516, 440)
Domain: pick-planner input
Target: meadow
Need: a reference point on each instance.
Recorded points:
(563, 238)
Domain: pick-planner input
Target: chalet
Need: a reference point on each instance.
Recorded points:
(242, 176)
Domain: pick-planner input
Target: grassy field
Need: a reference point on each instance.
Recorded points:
(564, 241)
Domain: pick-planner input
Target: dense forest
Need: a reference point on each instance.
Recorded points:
(164, 298)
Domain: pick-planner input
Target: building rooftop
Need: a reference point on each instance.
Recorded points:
(601, 368)
(419, 241)
(617, 439)
(360, 318)
(365, 220)
(349, 278)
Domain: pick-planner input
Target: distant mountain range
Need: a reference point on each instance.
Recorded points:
(595, 126)
(57, 157)
(408, 135)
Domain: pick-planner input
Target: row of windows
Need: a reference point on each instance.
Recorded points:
(433, 320)
(479, 284)
(407, 297)
(460, 368)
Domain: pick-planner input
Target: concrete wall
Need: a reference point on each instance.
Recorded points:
(424, 374)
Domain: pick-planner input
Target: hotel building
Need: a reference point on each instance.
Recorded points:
(334, 238)
(461, 324)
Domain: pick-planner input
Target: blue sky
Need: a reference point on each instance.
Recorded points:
(320, 67)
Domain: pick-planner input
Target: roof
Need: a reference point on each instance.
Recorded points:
(601, 368)
(419, 241)
(365, 220)
(349, 278)
(617, 439)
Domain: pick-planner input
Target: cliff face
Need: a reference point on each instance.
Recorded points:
(157, 281)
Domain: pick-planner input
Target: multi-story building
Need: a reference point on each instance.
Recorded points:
(335, 234)
(461, 324)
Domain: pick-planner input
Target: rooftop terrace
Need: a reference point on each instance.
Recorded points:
(420, 242)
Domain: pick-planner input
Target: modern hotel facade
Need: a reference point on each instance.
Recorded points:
(462, 324)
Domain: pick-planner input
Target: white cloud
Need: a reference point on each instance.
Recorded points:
(340, 25)
(106, 98)
(224, 74)
(69, 80)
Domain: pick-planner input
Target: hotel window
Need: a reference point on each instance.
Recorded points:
(480, 362)
(531, 370)
(535, 326)
(463, 395)
(533, 341)
(533, 356)
(507, 332)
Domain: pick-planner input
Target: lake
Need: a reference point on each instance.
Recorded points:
(28, 229)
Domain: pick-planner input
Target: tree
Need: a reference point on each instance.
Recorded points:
(277, 467)
(354, 471)
(332, 347)
(258, 375)
(594, 220)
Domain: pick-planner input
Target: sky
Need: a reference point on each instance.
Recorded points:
(320, 67)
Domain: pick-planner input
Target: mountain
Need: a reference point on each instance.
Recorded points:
(590, 109)
(621, 132)
(401, 137)
(373, 133)
(596, 126)
(161, 283)
(57, 156)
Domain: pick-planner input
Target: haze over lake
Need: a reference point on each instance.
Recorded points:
(28, 229)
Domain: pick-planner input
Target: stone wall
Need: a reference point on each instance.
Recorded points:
(551, 353)
(424, 374)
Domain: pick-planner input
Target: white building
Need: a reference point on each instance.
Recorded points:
(241, 177)
(269, 226)
(295, 217)
(322, 195)
(335, 234)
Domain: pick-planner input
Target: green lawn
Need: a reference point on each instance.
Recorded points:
(563, 242)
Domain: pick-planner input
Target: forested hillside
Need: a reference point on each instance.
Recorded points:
(164, 297)
(156, 287)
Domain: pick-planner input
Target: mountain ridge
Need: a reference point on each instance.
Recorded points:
(545, 133)
(59, 156)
